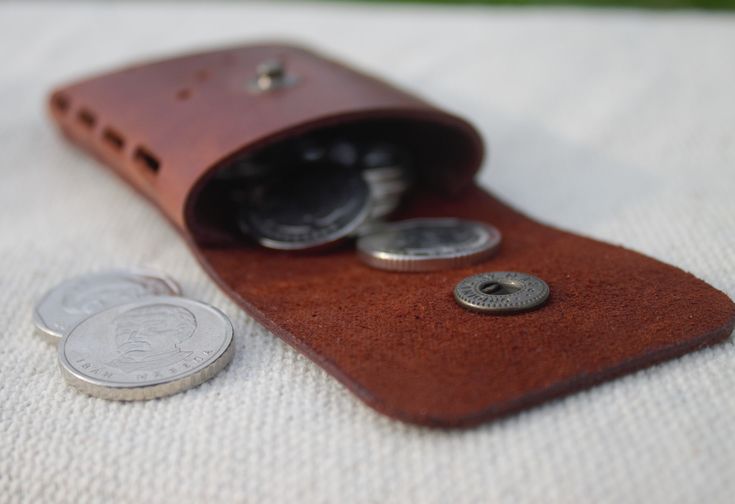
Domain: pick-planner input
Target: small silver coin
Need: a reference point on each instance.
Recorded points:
(428, 244)
(385, 174)
(383, 155)
(384, 207)
(344, 153)
(387, 185)
(243, 168)
(501, 292)
(73, 300)
(307, 209)
(383, 190)
(147, 349)
(311, 151)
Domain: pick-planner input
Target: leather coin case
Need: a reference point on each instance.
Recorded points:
(399, 341)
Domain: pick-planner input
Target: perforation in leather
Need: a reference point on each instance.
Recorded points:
(113, 139)
(146, 160)
(87, 118)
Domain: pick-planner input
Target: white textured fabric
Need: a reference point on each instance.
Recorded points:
(619, 125)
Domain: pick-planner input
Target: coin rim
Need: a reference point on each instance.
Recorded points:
(151, 389)
(53, 336)
(392, 261)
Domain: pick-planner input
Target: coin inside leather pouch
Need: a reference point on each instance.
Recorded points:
(399, 341)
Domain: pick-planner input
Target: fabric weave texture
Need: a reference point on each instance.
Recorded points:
(613, 124)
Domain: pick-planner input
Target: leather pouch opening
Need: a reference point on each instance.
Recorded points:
(441, 158)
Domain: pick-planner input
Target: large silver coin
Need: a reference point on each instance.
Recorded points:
(501, 292)
(147, 349)
(307, 209)
(75, 299)
(428, 244)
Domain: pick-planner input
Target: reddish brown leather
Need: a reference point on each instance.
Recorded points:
(399, 341)
(195, 112)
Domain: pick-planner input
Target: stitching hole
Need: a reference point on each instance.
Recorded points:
(87, 118)
(183, 94)
(113, 139)
(147, 160)
(60, 103)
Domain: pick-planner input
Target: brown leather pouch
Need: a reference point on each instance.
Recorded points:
(397, 340)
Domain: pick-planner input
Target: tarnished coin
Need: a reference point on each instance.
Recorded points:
(75, 299)
(391, 189)
(307, 209)
(501, 292)
(428, 244)
(383, 155)
(384, 174)
(146, 349)
(385, 198)
(383, 207)
(344, 153)
(387, 186)
(242, 168)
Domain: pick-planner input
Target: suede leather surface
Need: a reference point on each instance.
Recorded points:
(399, 341)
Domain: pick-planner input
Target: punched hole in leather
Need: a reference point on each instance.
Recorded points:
(399, 342)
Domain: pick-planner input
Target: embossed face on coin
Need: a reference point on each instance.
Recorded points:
(428, 244)
(151, 335)
(73, 300)
(150, 348)
(306, 209)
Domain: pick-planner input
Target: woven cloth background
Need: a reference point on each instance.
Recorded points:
(618, 125)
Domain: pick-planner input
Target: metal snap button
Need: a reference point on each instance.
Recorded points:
(501, 292)
(271, 75)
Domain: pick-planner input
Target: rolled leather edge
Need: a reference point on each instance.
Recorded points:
(165, 126)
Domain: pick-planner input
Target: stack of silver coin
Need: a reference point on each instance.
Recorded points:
(314, 194)
(130, 335)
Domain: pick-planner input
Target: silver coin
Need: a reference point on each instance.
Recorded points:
(243, 168)
(307, 209)
(382, 190)
(73, 300)
(428, 244)
(383, 155)
(344, 153)
(384, 207)
(388, 185)
(146, 349)
(385, 174)
(311, 151)
(501, 292)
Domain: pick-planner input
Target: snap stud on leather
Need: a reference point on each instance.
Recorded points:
(271, 75)
(501, 292)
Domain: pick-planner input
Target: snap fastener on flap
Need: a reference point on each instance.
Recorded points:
(271, 75)
(501, 292)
